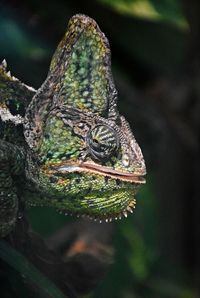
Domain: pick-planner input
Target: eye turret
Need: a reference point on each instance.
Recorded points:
(102, 142)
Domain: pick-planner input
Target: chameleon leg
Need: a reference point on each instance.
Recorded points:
(11, 165)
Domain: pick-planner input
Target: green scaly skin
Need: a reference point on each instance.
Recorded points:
(66, 145)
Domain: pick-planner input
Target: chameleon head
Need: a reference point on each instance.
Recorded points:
(90, 162)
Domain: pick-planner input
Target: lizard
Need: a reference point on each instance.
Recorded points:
(65, 145)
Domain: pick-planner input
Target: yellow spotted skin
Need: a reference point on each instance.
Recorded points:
(59, 143)
(85, 81)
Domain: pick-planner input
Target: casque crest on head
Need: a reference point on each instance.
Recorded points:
(80, 74)
(73, 124)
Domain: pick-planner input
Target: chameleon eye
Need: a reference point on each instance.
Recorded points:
(102, 142)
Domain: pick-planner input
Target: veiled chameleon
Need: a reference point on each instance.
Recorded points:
(66, 145)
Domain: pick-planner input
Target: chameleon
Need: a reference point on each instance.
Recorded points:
(65, 145)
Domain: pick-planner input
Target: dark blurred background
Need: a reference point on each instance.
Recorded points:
(155, 48)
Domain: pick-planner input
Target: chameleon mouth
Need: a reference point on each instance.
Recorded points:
(121, 205)
(136, 177)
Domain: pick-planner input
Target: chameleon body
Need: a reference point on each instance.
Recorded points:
(66, 145)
